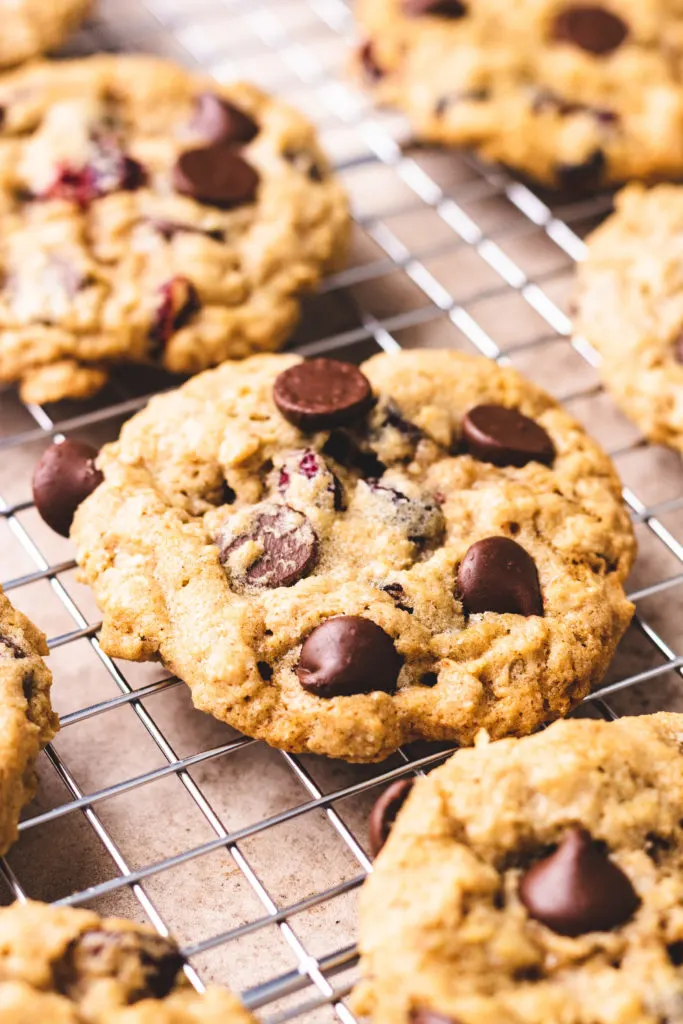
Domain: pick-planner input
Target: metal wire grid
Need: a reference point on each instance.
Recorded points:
(312, 981)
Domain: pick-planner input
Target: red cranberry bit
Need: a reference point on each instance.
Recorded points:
(179, 303)
(109, 171)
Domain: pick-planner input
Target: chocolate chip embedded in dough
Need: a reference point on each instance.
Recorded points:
(215, 175)
(318, 394)
(348, 655)
(498, 575)
(218, 120)
(590, 27)
(283, 543)
(505, 437)
(63, 478)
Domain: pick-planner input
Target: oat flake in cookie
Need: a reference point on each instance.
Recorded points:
(152, 215)
(630, 307)
(325, 556)
(64, 966)
(27, 722)
(534, 881)
(575, 94)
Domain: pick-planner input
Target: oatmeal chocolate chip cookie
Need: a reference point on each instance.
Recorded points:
(31, 27)
(571, 93)
(630, 307)
(27, 722)
(70, 966)
(152, 215)
(534, 881)
(340, 560)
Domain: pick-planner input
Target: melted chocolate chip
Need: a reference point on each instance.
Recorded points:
(348, 655)
(215, 175)
(584, 176)
(578, 889)
(146, 965)
(344, 450)
(453, 9)
(217, 120)
(63, 478)
(385, 811)
(318, 394)
(286, 547)
(393, 417)
(591, 28)
(504, 437)
(498, 575)
(12, 646)
(397, 594)
(179, 303)
(27, 685)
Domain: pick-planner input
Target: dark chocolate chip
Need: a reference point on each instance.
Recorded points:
(675, 953)
(179, 302)
(371, 69)
(12, 646)
(146, 965)
(306, 163)
(348, 655)
(578, 889)
(27, 685)
(318, 394)
(424, 1016)
(438, 8)
(344, 450)
(287, 547)
(429, 679)
(398, 595)
(492, 433)
(265, 670)
(591, 28)
(584, 176)
(215, 175)
(216, 120)
(310, 465)
(393, 417)
(383, 814)
(63, 478)
(498, 575)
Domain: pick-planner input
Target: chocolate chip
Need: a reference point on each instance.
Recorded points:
(492, 433)
(397, 594)
(265, 670)
(383, 814)
(324, 490)
(430, 1017)
(217, 120)
(215, 175)
(578, 889)
(675, 953)
(27, 683)
(285, 547)
(179, 303)
(421, 519)
(590, 27)
(584, 176)
(348, 655)
(344, 450)
(306, 163)
(498, 575)
(438, 8)
(146, 965)
(318, 394)
(63, 478)
(371, 69)
(393, 417)
(12, 646)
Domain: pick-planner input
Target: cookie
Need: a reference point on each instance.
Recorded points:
(535, 880)
(151, 215)
(31, 27)
(70, 966)
(629, 306)
(27, 721)
(570, 93)
(341, 560)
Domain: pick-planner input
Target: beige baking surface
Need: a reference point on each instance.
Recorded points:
(443, 255)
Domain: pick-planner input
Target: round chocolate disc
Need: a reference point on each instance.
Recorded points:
(383, 814)
(215, 175)
(217, 120)
(348, 655)
(505, 437)
(319, 394)
(498, 575)
(64, 477)
(591, 27)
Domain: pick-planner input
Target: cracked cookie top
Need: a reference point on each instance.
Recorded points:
(152, 215)
(27, 722)
(70, 966)
(571, 93)
(341, 560)
(534, 880)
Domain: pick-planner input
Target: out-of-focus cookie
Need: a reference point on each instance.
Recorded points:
(32, 27)
(342, 560)
(150, 214)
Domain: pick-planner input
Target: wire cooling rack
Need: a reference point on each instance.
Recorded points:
(254, 857)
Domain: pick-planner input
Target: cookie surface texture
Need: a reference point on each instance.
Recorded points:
(27, 722)
(32, 27)
(151, 215)
(572, 94)
(630, 307)
(370, 582)
(70, 966)
(534, 880)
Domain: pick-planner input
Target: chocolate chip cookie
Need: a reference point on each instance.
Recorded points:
(630, 307)
(571, 93)
(66, 966)
(27, 722)
(535, 880)
(151, 215)
(31, 27)
(340, 560)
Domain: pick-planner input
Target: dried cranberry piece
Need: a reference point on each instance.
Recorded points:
(310, 465)
(179, 303)
(110, 170)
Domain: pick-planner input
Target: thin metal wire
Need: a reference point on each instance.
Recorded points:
(343, 107)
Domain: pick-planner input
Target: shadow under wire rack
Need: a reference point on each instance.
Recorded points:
(253, 857)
